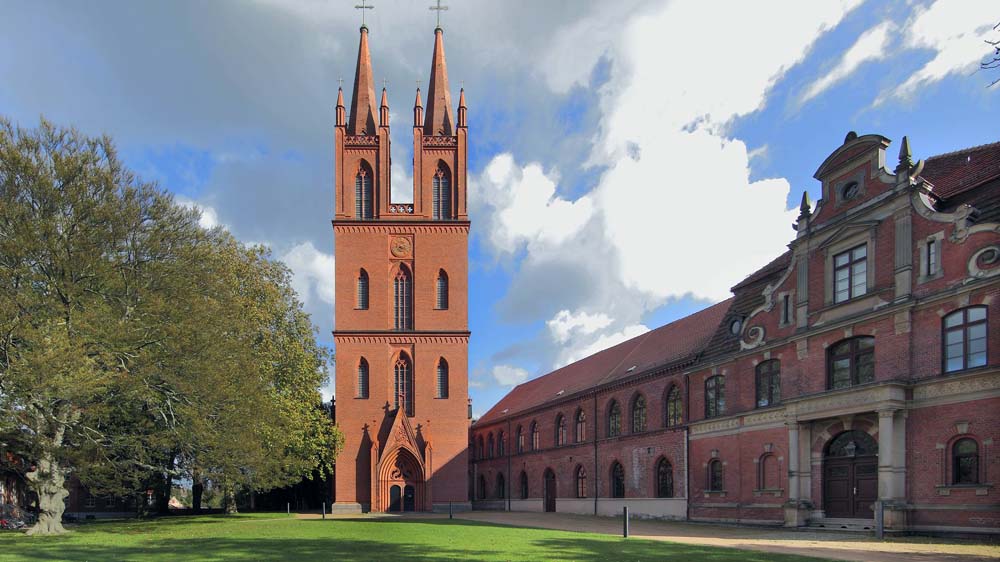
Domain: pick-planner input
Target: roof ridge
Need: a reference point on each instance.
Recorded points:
(963, 150)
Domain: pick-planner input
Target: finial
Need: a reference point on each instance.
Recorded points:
(461, 98)
(804, 208)
(905, 156)
(461, 108)
(363, 6)
(439, 8)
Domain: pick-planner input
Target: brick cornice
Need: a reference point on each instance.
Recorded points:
(392, 336)
(389, 226)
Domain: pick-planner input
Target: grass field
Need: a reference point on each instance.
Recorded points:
(278, 537)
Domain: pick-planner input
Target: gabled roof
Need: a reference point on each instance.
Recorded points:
(962, 170)
(674, 343)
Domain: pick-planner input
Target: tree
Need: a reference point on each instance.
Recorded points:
(135, 346)
(992, 61)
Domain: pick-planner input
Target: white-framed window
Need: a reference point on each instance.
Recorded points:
(931, 251)
(850, 273)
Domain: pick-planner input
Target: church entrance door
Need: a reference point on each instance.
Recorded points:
(409, 498)
(550, 490)
(850, 476)
(394, 504)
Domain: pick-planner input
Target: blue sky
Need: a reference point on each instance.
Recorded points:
(629, 162)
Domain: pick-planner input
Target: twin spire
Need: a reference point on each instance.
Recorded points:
(438, 120)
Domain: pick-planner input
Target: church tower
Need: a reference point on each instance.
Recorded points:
(402, 328)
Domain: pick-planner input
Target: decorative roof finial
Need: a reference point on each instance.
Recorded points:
(439, 8)
(804, 208)
(363, 6)
(905, 156)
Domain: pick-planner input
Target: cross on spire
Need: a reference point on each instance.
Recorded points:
(340, 82)
(439, 8)
(363, 6)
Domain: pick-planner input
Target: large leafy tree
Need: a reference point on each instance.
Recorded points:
(136, 346)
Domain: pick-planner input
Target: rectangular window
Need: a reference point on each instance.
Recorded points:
(850, 273)
(932, 257)
(91, 501)
(786, 309)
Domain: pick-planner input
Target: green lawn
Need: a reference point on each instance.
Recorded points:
(278, 537)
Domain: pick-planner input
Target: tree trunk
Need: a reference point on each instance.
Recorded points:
(197, 489)
(48, 480)
(229, 499)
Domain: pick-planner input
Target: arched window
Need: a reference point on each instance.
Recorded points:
(581, 426)
(674, 408)
(479, 448)
(964, 339)
(501, 447)
(501, 486)
(581, 481)
(482, 487)
(489, 446)
(404, 384)
(715, 396)
(534, 436)
(442, 378)
(768, 383)
(617, 480)
(363, 193)
(362, 378)
(664, 479)
(403, 299)
(614, 419)
(639, 414)
(520, 439)
(851, 362)
(362, 290)
(715, 483)
(524, 485)
(560, 430)
(442, 291)
(965, 461)
(768, 473)
(442, 193)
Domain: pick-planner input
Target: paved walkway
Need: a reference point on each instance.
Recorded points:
(822, 544)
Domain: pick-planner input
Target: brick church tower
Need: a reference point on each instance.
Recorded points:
(401, 302)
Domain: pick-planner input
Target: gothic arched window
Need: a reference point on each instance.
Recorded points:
(965, 461)
(442, 378)
(403, 372)
(441, 303)
(560, 430)
(363, 193)
(501, 486)
(534, 436)
(520, 440)
(639, 414)
(362, 378)
(524, 485)
(489, 446)
(614, 419)
(581, 481)
(482, 487)
(675, 408)
(768, 383)
(965, 339)
(617, 480)
(501, 446)
(664, 479)
(581, 426)
(442, 193)
(715, 396)
(403, 299)
(479, 452)
(362, 303)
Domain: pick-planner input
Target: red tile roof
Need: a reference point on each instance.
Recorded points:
(665, 345)
(959, 171)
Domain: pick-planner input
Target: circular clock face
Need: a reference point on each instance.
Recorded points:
(400, 247)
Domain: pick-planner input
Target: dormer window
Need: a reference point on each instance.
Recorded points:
(850, 191)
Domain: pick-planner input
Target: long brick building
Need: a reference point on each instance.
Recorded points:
(860, 366)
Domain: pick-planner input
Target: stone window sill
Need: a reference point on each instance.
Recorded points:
(715, 493)
(981, 489)
(776, 492)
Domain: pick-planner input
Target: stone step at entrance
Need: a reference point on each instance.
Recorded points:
(839, 524)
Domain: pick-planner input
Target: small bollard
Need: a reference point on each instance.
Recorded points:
(625, 518)
(288, 506)
(324, 510)
(450, 515)
(879, 520)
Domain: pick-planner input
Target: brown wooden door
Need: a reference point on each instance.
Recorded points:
(550, 491)
(850, 486)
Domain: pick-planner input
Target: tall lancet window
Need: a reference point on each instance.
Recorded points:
(442, 194)
(403, 384)
(363, 290)
(362, 378)
(442, 385)
(403, 299)
(363, 193)
(442, 291)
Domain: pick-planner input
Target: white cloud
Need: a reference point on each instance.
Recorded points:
(954, 30)
(402, 184)
(506, 375)
(209, 217)
(872, 45)
(569, 355)
(312, 273)
(565, 324)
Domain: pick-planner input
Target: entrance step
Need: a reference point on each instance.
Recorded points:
(840, 524)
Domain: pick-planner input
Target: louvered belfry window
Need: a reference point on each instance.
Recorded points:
(363, 290)
(403, 300)
(442, 291)
(442, 194)
(442, 385)
(363, 194)
(362, 378)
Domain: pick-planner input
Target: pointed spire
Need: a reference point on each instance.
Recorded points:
(804, 208)
(440, 120)
(341, 117)
(905, 156)
(461, 108)
(418, 111)
(362, 119)
(383, 111)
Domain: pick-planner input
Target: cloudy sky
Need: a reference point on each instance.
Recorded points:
(629, 161)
